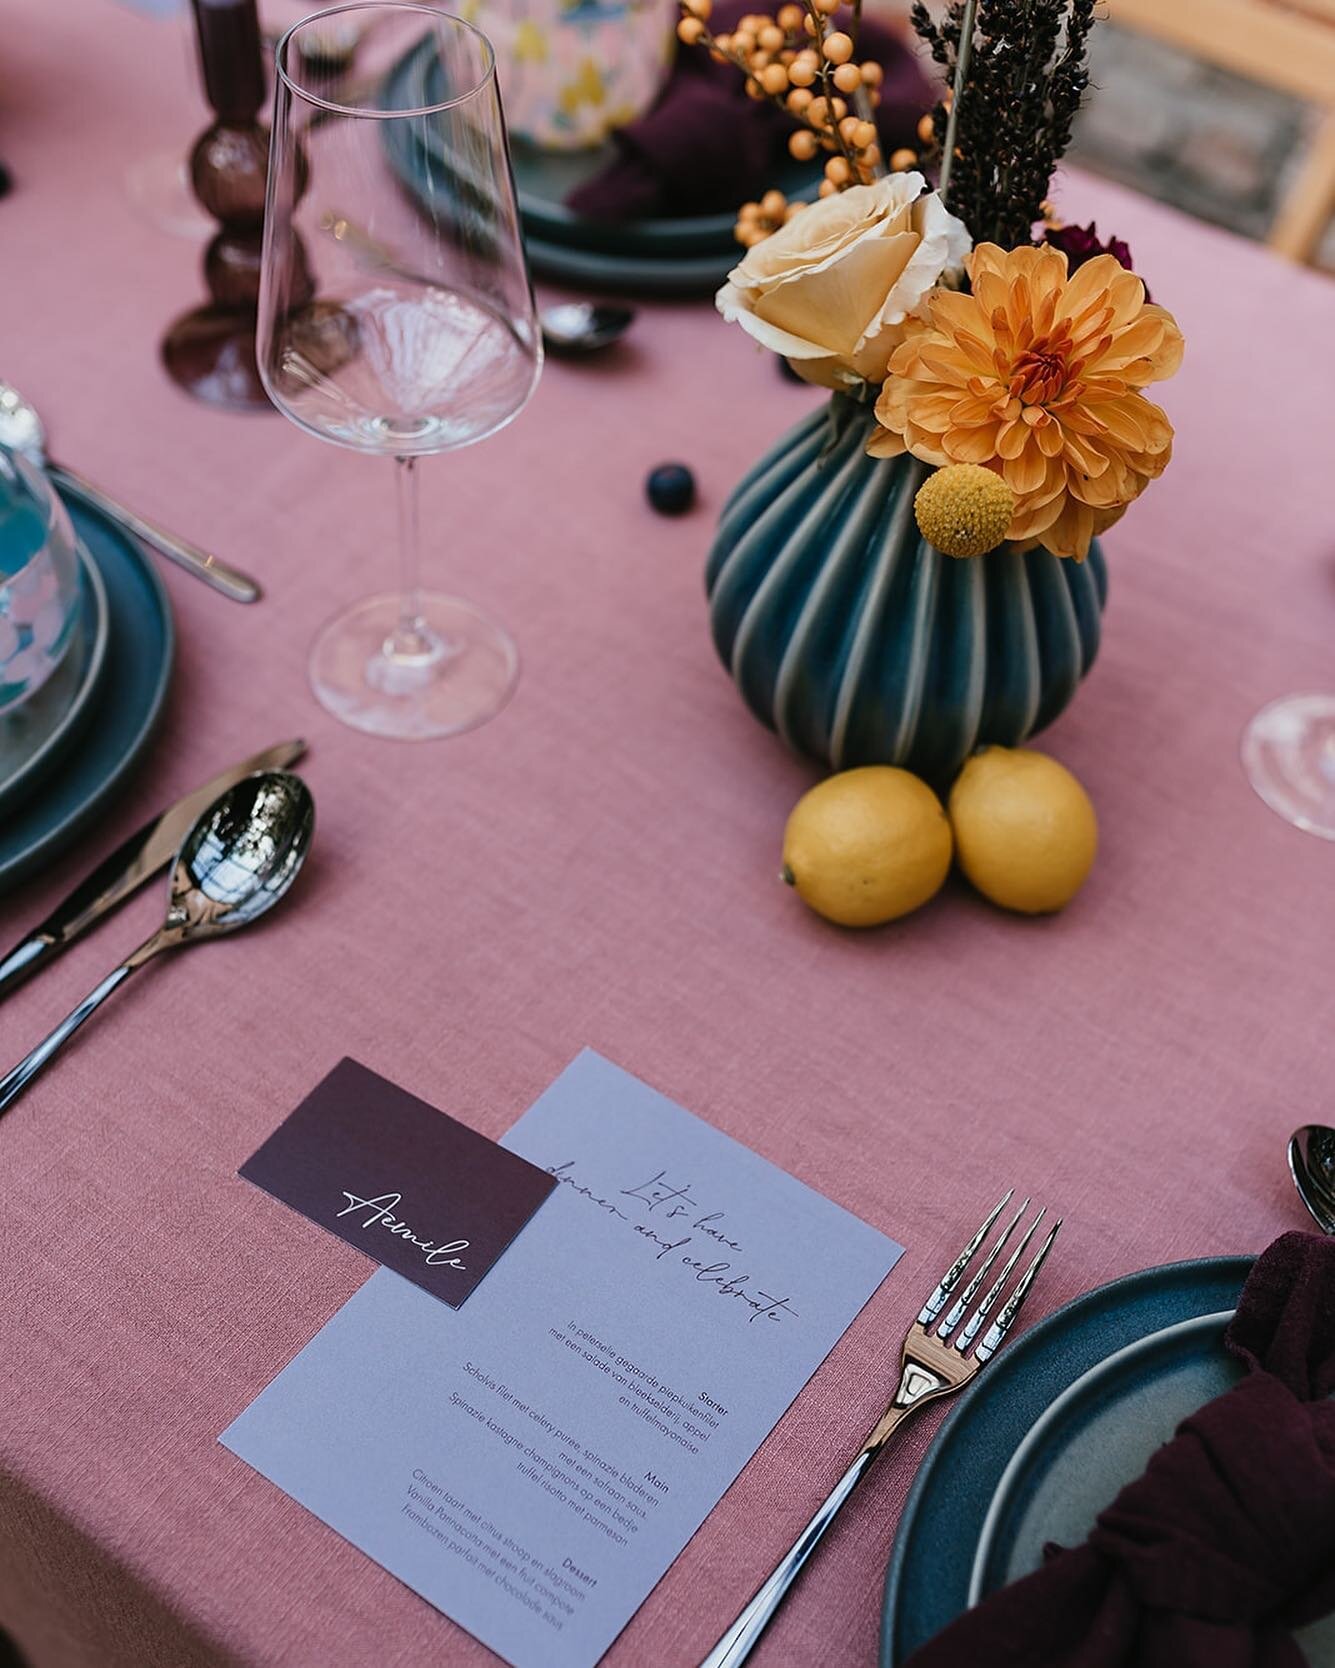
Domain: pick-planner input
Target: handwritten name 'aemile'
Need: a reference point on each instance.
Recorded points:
(380, 1212)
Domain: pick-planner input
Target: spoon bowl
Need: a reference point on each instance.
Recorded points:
(574, 328)
(238, 860)
(242, 855)
(1312, 1165)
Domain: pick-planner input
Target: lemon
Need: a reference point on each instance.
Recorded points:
(1025, 831)
(867, 846)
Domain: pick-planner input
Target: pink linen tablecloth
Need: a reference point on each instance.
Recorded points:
(599, 866)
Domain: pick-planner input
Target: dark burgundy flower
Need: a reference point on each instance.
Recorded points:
(1081, 243)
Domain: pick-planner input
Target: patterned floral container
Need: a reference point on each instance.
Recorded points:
(858, 641)
(572, 70)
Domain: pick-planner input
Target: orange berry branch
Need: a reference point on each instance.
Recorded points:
(799, 61)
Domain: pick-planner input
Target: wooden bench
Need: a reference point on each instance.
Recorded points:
(1288, 44)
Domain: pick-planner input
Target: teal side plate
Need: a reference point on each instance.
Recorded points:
(927, 1583)
(662, 256)
(140, 643)
(34, 739)
(693, 275)
(1098, 1436)
(544, 179)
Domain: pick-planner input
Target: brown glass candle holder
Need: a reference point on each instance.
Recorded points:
(210, 351)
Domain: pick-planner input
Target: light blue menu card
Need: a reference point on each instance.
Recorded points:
(532, 1462)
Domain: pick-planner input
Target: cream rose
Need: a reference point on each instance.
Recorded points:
(831, 289)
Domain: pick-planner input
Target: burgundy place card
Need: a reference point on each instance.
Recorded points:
(412, 1187)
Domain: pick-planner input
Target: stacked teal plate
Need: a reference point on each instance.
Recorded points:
(120, 669)
(1067, 1415)
(1095, 1438)
(929, 1579)
(666, 256)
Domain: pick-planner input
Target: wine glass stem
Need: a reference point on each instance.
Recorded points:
(410, 640)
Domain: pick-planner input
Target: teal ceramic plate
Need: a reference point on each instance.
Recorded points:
(544, 179)
(927, 1583)
(36, 737)
(682, 255)
(693, 275)
(1098, 1436)
(140, 641)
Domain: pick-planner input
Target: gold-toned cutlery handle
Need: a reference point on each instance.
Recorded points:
(219, 575)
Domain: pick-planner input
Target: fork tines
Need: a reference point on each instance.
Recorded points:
(964, 1303)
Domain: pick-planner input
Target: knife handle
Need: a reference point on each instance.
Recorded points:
(24, 960)
(202, 563)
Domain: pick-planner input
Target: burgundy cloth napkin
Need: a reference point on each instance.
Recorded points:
(705, 147)
(1227, 1541)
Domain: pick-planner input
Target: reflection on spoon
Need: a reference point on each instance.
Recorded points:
(237, 861)
(578, 327)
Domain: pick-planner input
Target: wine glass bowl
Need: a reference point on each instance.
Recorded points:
(395, 328)
(391, 368)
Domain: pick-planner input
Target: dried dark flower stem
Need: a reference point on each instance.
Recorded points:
(963, 59)
(1020, 72)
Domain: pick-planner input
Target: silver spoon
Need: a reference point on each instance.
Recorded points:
(577, 327)
(235, 863)
(1312, 1163)
(22, 430)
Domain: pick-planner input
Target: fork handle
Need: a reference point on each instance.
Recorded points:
(741, 1638)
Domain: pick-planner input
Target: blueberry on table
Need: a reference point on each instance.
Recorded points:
(670, 488)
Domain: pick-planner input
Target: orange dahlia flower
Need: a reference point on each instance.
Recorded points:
(1039, 377)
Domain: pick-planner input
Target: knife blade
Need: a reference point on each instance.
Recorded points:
(134, 861)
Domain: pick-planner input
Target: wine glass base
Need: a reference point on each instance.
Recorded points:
(463, 673)
(1288, 752)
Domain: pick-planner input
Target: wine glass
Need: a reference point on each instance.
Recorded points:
(1288, 752)
(398, 327)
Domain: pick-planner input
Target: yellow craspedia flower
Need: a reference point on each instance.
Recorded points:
(964, 509)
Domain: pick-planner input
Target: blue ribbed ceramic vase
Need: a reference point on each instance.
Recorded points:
(858, 641)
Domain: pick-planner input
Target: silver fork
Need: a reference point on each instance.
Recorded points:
(939, 1357)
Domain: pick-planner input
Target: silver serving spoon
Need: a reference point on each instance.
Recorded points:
(236, 862)
(577, 327)
(22, 430)
(1312, 1163)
